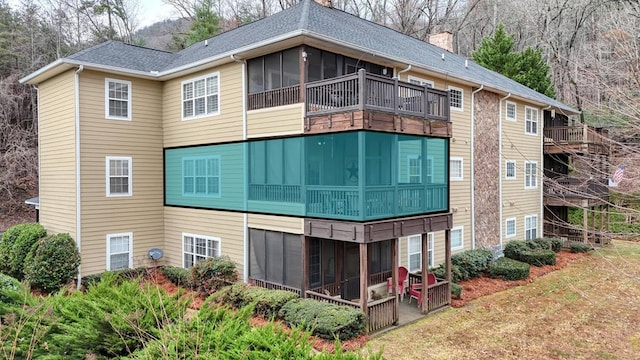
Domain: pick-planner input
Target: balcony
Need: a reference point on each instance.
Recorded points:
(367, 101)
(568, 191)
(364, 101)
(576, 139)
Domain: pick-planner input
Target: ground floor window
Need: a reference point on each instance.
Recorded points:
(119, 251)
(415, 251)
(457, 239)
(196, 248)
(276, 257)
(530, 227)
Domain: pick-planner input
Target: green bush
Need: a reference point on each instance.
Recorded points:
(52, 262)
(111, 319)
(11, 295)
(578, 247)
(456, 273)
(212, 274)
(472, 263)
(556, 244)
(530, 252)
(456, 291)
(17, 242)
(178, 276)
(327, 321)
(120, 275)
(508, 269)
(266, 303)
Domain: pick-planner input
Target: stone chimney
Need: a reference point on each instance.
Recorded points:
(326, 3)
(443, 40)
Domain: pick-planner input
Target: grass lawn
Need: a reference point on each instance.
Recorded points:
(589, 310)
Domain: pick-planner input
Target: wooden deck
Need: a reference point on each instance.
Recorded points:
(568, 191)
(576, 139)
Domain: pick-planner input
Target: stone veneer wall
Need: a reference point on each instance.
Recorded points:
(486, 170)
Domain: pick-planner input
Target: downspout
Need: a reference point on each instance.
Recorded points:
(245, 217)
(38, 124)
(473, 172)
(77, 154)
(500, 166)
(403, 71)
(542, 173)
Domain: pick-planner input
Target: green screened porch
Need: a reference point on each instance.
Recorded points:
(357, 175)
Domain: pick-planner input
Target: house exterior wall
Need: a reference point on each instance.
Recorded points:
(518, 202)
(460, 190)
(487, 169)
(56, 110)
(224, 127)
(276, 223)
(277, 121)
(141, 139)
(225, 225)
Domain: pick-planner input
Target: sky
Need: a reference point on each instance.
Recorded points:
(150, 11)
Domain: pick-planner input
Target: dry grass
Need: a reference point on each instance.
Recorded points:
(589, 310)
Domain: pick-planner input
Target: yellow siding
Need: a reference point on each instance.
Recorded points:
(278, 121)
(228, 226)
(227, 126)
(276, 223)
(140, 139)
(57, 154)
(517, 201)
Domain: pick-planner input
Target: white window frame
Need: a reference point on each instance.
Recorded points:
(420, 81)
(506, 227)
(214, 239)
(506, 170)
(107, 114)
(515, 111)
(456, 108)
(530, 177)
(530, 110)
(451, 161)
(206, 176)
(419, 174)
(461, 246)
(430, 250)
(108, 176)
(527, 230)
(130, 249)
(192, 81)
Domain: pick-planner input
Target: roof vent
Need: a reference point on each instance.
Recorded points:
(442, 56)
(466, 63)
(206, 42)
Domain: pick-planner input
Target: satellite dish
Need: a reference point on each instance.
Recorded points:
(155, 253)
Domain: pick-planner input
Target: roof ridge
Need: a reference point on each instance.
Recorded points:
(304, 17)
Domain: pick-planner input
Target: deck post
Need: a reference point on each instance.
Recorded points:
(585, 225)
(592, 230)
(394, 276)
(305, 265)
(424, 298)
(364, 277)
(361, 88)
(447, 255)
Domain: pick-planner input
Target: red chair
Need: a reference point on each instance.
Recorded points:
(402, 279)
(415, 290)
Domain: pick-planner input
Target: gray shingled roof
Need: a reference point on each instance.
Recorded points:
(313, 18)
(121, 55)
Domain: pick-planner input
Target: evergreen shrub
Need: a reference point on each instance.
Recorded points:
(212, 274)
(578, 247)
(508, 269)
(472, 263)
(52, 262)
(266, 302)
(456, 291)
(327, 321)
(16, 244)
(530, 252)
(178, 276)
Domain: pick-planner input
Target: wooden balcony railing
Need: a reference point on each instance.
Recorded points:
(364, 91)
(273, 286)
(584, 134)
(568, 187)
(276, 97)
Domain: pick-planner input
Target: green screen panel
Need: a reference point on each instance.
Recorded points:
(351, 176)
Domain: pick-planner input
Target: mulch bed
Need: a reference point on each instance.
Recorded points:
(481, 286)
(472, 289)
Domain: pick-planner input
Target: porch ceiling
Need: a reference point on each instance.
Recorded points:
(377, 230)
